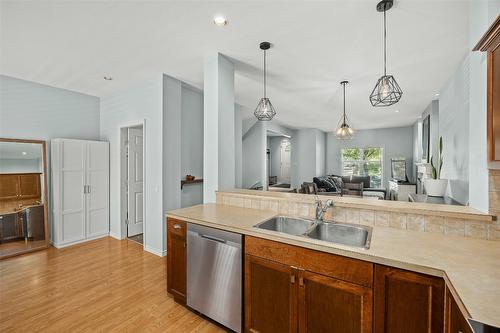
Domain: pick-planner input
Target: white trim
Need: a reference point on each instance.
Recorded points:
(60, 246)
(123, 178)
(115, 236)
(155, 251)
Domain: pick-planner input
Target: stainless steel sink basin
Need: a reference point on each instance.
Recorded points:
(341, 233)
(287, 225)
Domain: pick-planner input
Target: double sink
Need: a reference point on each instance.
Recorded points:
(341, 233)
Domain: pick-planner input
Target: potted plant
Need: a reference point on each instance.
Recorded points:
(435, 186)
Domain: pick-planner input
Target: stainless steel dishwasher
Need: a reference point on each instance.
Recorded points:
(214, 274)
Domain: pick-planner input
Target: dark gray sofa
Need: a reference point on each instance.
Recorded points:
(331, 183)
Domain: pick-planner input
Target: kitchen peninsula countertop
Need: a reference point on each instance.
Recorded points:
(470, 267)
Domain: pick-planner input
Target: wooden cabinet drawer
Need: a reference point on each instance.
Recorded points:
(177, 227)
(343, 268)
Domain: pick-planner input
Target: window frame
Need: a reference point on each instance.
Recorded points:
(382, 153)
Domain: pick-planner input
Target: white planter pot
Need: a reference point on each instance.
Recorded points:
(435, 187)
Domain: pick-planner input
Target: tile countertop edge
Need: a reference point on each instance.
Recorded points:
(465, 212)
(335, 249)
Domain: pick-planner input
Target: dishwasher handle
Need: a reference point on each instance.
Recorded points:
(213, 238)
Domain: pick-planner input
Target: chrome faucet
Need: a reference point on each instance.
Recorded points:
(322, 208)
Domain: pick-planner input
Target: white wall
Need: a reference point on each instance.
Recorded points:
(275, 151)
(396, 142)
(191, 144)
(454, 129)
(142, 101)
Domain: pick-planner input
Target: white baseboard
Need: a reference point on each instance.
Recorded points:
(116, 236)
(155, 251)
(60, 246)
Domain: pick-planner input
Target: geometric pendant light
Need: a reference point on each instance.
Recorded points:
(344, 131)
(264, 110)
(387, 91)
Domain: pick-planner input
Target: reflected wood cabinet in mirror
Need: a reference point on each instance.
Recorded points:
(23, 196)
(490, 43)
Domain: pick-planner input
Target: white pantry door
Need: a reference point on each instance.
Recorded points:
(135, 182)
(285, 162)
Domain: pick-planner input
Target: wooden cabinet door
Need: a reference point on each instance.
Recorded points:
(176, 259)
(455, 321)
(270, 296)
(9, 186)
(331, 305)
(29, 186)
(407, 302)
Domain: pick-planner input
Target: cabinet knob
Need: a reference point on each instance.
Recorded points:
(177, 226)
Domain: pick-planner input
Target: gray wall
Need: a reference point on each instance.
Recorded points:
(308, 155)
(454, 129)
(30, 110)
(482, 15)
(191, 144)
(143, 101)
(18, 165)
(396, 142)
(254, 155)
(433, 110)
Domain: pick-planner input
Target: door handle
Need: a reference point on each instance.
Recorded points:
(292, 278)
(215, 239)
(84, 189)
(88, 189)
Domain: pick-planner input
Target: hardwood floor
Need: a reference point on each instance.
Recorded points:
(106, 285)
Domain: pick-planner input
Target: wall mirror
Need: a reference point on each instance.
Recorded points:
(23, 197)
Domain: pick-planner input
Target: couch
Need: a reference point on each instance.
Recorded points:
(352, 185)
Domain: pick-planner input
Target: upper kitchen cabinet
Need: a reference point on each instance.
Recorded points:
(23, 196)
(407, 302)
(490, 43)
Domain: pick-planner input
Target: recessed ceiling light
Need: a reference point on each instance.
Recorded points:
(24, 153)
(220, 21)
(397, 111)
(108, 78)
(437, 95)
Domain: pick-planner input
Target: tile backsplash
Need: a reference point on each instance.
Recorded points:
(399, 220)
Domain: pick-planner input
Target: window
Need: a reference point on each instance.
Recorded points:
(363, 162)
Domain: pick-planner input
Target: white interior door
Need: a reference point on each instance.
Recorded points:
(97, 190)
(72, 191)
(135, 181)
(285, 162)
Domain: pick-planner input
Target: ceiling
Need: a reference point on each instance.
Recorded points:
(316, 44)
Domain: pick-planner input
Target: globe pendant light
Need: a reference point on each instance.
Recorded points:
(387, 91)
(265, 110)
(344, 131)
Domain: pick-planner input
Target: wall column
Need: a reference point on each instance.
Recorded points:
(218, 125)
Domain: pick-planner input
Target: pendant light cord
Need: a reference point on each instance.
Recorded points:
(265, 70)
(344, 101)
(385, 45)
